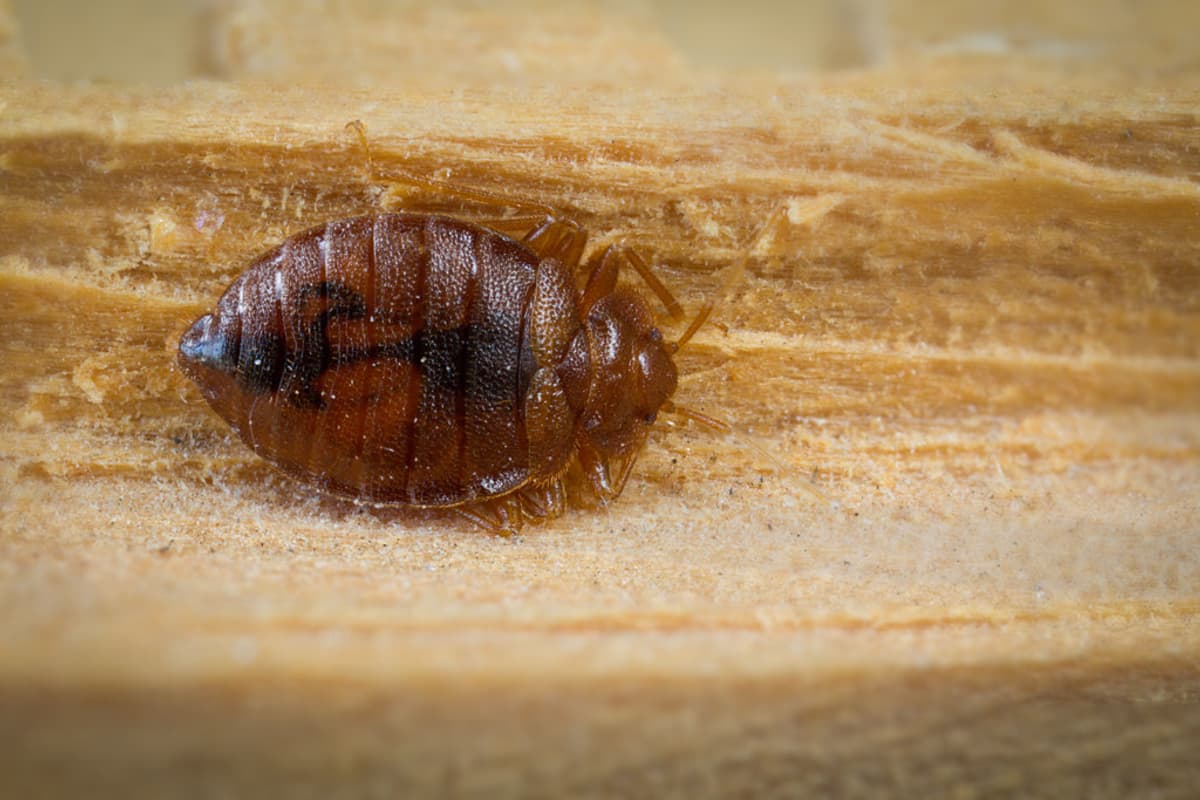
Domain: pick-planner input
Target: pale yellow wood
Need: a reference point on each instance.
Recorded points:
(975, 328)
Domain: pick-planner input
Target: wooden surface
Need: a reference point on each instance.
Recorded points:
(976, 330)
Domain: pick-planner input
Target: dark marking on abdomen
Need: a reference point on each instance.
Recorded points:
(441, 356)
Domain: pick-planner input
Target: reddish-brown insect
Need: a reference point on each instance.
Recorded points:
(419, 359)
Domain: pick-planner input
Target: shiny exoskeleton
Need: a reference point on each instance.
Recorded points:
(419, 359)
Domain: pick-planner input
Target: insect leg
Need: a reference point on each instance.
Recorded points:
(603, 278)
(543, 502)
(560, 239)
(492, 516)
(598, 473)
(624, 471)
(595, 471)
(557, 497)
(517, 226)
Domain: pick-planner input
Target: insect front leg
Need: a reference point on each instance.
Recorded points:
(606, 268)
(599, 474)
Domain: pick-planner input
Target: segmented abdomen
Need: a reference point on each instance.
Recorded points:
(385, 358)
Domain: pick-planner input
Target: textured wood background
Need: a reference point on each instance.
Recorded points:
(976, 329)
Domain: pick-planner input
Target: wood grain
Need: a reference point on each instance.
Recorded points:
(973, 326)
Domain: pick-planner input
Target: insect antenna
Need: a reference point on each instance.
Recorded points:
(735, 275)
(712, 423)
(698, 321)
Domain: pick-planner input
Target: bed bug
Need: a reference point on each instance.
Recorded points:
(420, 359)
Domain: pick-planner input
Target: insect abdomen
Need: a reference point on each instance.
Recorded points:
(384, 357)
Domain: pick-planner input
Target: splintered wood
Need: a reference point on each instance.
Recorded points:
(970, 321)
